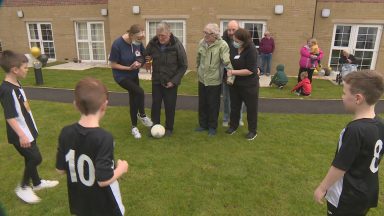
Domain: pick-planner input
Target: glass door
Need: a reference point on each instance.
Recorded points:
(90, 41)
(363, 41)
(255, 28)
(366, 46)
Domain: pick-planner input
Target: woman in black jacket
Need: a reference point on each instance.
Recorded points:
(348, 63)
(347, 58)
(246, 86)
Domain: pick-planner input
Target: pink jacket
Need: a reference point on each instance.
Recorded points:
(305, 60)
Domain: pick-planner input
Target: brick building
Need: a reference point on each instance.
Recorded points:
(86, 28)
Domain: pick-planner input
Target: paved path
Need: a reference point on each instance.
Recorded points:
(190, 102)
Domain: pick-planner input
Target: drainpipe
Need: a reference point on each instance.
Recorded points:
(314, 20)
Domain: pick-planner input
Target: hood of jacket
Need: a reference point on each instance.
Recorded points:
(280, 67)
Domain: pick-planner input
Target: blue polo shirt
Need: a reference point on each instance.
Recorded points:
(125, 54)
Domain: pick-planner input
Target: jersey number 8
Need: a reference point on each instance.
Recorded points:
(376, 156)
(70, 158)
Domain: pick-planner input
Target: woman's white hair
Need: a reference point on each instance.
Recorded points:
(213, 28)
(347, 51)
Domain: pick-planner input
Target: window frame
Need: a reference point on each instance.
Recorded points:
(242, 24)
(40, 40)
(353, 42)
(183, 39)
(89, 40)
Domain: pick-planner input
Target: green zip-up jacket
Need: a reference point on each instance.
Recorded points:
(280, 78)
(210, 60)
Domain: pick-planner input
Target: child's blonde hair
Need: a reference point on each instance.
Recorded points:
(304, 75)
(314, 46)
(313, 41)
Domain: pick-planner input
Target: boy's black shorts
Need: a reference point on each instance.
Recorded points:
(343, 210)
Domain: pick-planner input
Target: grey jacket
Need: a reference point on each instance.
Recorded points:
(169, 64)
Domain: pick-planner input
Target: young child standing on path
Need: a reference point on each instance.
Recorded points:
(21, 127)
(351, 186)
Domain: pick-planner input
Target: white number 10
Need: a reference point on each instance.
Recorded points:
(70, 158)
(376, 156)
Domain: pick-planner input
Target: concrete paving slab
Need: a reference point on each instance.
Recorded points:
(265, 80)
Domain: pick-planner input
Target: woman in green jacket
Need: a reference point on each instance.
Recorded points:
(212, 55)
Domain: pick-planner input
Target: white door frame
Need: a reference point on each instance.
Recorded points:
(353, 40)
(184, 41)
(242, 23)
(40, 40)
(375, 50)
(89, 40)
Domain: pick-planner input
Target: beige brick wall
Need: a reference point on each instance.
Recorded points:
(348, 13)
(17, 3)
(290, 29)
(13, 30)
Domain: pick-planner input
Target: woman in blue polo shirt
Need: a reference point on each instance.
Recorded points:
(126, 58)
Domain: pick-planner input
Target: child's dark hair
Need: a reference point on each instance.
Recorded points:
(10, 59)
(90, 94)
(368, 83)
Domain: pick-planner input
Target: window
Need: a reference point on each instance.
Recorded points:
(41, 35)
(256, 28)
(90, 41)
(362, 41)
(177, 28)
(1, 47)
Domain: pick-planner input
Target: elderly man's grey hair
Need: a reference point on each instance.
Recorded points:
(213, 28)
(163, 27)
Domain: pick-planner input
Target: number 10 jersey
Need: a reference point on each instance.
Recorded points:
(86, 154)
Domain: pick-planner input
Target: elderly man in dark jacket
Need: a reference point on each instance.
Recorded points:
(169, 63)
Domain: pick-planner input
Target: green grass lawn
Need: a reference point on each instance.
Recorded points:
(191, 173)
(322, 89)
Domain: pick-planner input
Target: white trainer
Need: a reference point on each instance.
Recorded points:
(45, 184)
(27, 195)
(147, 122)
(136, 133)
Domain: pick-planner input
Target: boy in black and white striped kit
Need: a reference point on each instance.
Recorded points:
(351, 186)
(21, 127)
(86, 154)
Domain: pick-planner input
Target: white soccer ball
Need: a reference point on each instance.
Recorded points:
(158, 131)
